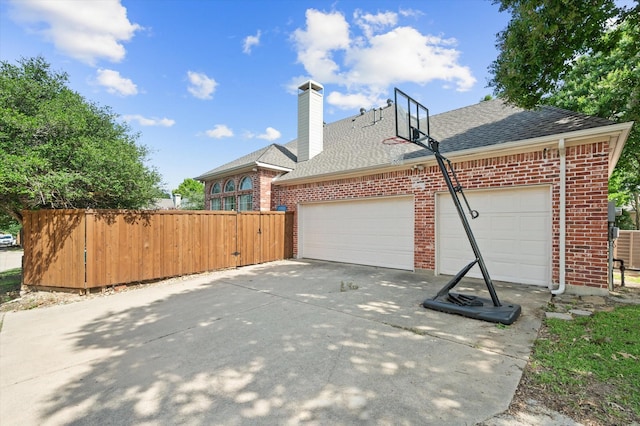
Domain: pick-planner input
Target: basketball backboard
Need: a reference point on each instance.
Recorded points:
(412, 118)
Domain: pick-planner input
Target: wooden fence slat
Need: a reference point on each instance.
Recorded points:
(627, 248)
(84, 249)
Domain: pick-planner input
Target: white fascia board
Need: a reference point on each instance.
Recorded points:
(272, 167)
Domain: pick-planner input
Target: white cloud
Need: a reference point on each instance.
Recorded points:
(219, 131)
(325, 33)
(84, 30)
(251, 41)
(381, 54)
(153, 121)
(270, 134)
(411, 13)
(202, 86)
(353, 100)
(115, 83)
(404, 54)
(371, 24)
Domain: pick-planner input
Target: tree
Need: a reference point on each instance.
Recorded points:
(541, 39)
(192, 193)
(58, 150)
(581, 55)
(607, 84)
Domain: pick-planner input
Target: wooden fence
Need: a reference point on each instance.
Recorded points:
(83, 249)
(627, 248)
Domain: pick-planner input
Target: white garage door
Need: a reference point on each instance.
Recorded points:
(376, 232)
(513, 232)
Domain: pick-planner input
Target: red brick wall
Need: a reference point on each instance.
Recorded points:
(262, 199)
(586, 213)
(261, 181)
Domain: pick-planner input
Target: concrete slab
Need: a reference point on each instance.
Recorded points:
(276, 344)
(10, 258)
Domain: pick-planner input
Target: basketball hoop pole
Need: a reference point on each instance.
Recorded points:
(455, 191)
(412, 125)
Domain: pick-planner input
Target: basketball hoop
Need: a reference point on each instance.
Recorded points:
(395, 151)
(394, 140)
(412, 125)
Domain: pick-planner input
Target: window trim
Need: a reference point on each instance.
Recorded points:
(243, 180)
(213, 188)
(227, 184)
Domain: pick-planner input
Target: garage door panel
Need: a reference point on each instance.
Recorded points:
(513, 233)
(377, 232)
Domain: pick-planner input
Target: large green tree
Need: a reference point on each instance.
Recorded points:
(582, 55)
(58, 150)
(192, 193)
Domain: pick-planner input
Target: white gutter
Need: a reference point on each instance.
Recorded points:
(563, 218)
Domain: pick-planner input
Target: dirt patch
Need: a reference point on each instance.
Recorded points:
(26, 299)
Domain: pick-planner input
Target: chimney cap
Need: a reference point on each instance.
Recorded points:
(310, 84)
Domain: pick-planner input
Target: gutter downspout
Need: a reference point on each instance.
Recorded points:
(563, 218)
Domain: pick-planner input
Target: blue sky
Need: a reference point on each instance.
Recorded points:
(205, 82)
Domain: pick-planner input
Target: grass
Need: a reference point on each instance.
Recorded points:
(629, 277)
(591, 365)
(10, 284)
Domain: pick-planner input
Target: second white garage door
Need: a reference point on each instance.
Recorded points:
(376, 232)
(513, 233)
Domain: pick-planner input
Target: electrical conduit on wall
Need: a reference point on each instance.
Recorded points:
(563, 229)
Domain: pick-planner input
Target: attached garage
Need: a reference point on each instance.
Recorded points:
(513, 232)
(373, 231)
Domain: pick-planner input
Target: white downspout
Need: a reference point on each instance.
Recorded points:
(563, 219)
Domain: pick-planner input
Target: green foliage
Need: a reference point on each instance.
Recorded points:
(10, 283)
(570, 54)
(541, 38)
(58, 150)
(192, 192)
(8, 225)
(604, 348)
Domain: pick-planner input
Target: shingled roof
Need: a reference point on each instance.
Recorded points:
(274, 155)
(365, 141)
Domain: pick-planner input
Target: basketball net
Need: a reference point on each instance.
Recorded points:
(396, 150)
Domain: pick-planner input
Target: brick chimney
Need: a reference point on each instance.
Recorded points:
(310, 124)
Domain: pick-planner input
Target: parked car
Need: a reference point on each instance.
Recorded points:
(7, 240)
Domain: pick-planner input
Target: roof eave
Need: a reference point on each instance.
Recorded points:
(618, 131)
(226, 172)
(240, 169)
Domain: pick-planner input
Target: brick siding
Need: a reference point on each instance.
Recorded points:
(586, 200)
(261, 182)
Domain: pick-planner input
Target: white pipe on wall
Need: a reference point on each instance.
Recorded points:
(563, 219)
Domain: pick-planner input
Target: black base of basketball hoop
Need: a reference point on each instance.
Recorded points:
(412, 124)
(474, 307)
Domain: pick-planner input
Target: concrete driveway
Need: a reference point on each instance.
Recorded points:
(279, 343)
(10, 258)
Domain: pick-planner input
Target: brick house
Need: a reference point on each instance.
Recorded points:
(538, 179)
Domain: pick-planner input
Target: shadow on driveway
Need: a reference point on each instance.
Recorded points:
(291, 342)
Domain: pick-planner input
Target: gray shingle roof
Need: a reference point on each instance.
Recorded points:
(359, 142)
(274, 154)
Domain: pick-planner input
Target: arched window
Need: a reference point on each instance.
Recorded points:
(230, 186)
(245, 201)
(215, 189)
(246, 183)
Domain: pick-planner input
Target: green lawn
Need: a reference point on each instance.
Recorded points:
(591, 365)
(10, 284)
(629, 278)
